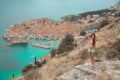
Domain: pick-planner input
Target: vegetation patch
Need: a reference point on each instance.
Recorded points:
(99, 12)
(84, 54)
(66, 44)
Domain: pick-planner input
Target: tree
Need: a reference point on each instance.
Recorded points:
(66, 44)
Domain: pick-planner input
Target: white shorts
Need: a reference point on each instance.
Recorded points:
(91, 50)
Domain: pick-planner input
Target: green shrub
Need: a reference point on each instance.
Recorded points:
(99, 12)
(82, 33)
(53, 52)
(117, 14)
(104, 22)
(66, 44)
(115, 52)
(112, 54)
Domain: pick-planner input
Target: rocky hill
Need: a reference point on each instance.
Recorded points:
(117, 6)
(107, 49)
(113, 11)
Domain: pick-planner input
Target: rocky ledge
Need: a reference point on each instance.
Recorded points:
(106, 70)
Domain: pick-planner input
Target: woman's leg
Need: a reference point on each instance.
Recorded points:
(92, 59)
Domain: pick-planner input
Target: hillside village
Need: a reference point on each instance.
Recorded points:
(74, 64)
(43, 27)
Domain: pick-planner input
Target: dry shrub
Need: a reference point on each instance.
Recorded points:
(115, 51)
(116, 45)
(112, 54)
(84, 54)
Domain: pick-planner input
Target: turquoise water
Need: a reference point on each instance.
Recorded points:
(14, 58)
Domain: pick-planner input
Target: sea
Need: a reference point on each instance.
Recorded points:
(14, 58)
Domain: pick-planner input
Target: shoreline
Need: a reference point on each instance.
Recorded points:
(41, 28)
(45, 57)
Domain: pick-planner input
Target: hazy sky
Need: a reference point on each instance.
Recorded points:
(14, 11)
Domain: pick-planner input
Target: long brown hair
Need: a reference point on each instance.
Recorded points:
(94, 39)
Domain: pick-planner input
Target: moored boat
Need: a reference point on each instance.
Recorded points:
(41, 46)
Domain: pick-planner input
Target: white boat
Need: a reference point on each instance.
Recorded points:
(41, 46)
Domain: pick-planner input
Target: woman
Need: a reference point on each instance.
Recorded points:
(91, 50)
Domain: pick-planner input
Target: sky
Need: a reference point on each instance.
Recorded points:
(15, 11)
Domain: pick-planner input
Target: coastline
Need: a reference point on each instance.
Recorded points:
(46, 58)
(25, 54)
(41, 28)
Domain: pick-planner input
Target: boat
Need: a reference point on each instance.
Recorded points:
(41, 46)
(9, 44)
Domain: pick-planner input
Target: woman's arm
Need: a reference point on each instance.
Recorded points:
(96, 38)
(88, 36)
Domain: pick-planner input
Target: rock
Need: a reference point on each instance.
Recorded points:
(39, 63)
(27, 68)
(83, 72)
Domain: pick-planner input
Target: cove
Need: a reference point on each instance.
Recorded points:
(14, 58)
